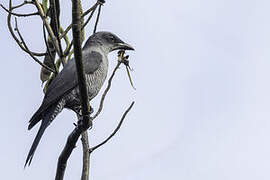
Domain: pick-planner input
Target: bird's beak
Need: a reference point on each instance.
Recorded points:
(124, 46)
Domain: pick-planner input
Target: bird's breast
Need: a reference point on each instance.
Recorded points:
(96, 80)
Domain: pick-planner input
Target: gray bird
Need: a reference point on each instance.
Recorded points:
(63, 91)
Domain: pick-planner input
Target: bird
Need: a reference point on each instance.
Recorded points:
(63, 91)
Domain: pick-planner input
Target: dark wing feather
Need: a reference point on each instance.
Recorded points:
(65, 81)
(91, 61)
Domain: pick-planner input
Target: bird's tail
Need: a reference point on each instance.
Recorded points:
(43, 126)
(46, 120)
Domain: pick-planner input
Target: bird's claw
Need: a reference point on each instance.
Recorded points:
(82, 119)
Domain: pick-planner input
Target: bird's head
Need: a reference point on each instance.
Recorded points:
(109, 41)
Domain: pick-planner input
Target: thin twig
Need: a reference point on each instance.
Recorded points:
(106, 90)
(66, 53)
(66, 31)
(54, 23)
(91, 9)
(91, 15)
(115, 130)
(120, 58)
(28, 51)
(22, 4)
(14, 36)
(98, 15)
(65, 39)
(17, 14)
(50, 31)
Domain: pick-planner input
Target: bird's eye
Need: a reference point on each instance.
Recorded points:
(111, 38)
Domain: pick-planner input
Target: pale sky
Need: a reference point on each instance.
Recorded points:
(201, 69)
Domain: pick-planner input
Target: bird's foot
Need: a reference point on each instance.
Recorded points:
(84, 118)
(85, 121)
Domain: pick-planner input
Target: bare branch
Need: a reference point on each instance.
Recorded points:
(14, 36)
(76, 30)
(86, 121)
(115, 131)
(28, 51)
(84, 139)
(50, 31)
(120, 60)
(86, 156)
(99, 10)
(91, 15)
(55, 25)
(66, 31)
(22, 4)
(65, 154)
(91, 9)
(17, 14)
(65, 39)
(66, 53)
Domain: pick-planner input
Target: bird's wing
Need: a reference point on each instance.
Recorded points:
(67, 78)
(65, 81)
(90, 66)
